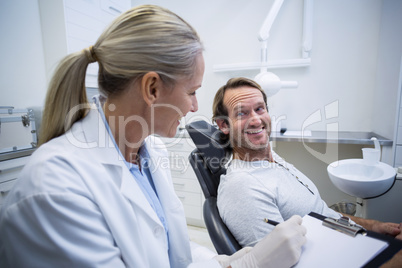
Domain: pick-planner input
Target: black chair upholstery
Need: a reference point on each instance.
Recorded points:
(208, 161)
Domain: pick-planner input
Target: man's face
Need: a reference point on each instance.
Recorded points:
(249, 121)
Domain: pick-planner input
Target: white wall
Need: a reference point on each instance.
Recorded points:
(344, 66)
(54, 36)
(388, 68)
(344, 55)
(22, 70)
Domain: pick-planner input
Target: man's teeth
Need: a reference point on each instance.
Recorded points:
(254, 131)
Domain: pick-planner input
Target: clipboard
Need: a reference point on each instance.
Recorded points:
(329, 245)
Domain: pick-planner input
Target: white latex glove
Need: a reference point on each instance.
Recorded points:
(225, 260)
(280, 248)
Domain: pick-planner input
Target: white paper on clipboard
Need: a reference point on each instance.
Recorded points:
(327, 247)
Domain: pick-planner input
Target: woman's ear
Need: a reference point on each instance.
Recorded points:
(151, 85)
(223, 126)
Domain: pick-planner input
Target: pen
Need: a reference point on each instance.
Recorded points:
(274, 223)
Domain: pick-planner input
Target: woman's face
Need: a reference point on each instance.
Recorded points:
(175, 103)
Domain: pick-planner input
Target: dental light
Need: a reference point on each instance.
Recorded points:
(270, 82)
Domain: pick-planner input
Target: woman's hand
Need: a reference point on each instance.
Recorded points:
(280, 248)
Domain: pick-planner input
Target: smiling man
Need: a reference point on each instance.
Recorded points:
(259, 183)
(240, 109)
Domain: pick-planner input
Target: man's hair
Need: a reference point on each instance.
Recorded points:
(219, 111)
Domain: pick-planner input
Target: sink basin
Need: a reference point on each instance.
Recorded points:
(354, 177)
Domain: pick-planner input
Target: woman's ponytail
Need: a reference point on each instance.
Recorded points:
(66, 99)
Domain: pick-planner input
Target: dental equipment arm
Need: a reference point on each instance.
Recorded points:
(269, 20)
(267, 80)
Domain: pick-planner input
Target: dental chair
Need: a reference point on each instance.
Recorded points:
(208, 161)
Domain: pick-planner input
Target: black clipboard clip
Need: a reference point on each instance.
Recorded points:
(344, 225)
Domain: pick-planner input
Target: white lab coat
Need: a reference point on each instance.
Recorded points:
(76, 204)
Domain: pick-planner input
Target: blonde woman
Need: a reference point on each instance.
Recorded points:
(97, 193)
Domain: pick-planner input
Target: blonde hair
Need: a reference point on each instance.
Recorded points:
(143, 39)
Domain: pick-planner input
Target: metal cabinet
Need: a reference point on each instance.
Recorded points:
(18, 140)
(9, 171)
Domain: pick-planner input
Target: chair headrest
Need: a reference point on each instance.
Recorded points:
(207, 139)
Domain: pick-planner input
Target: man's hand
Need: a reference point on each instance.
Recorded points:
(399, 236)
(388, 228)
